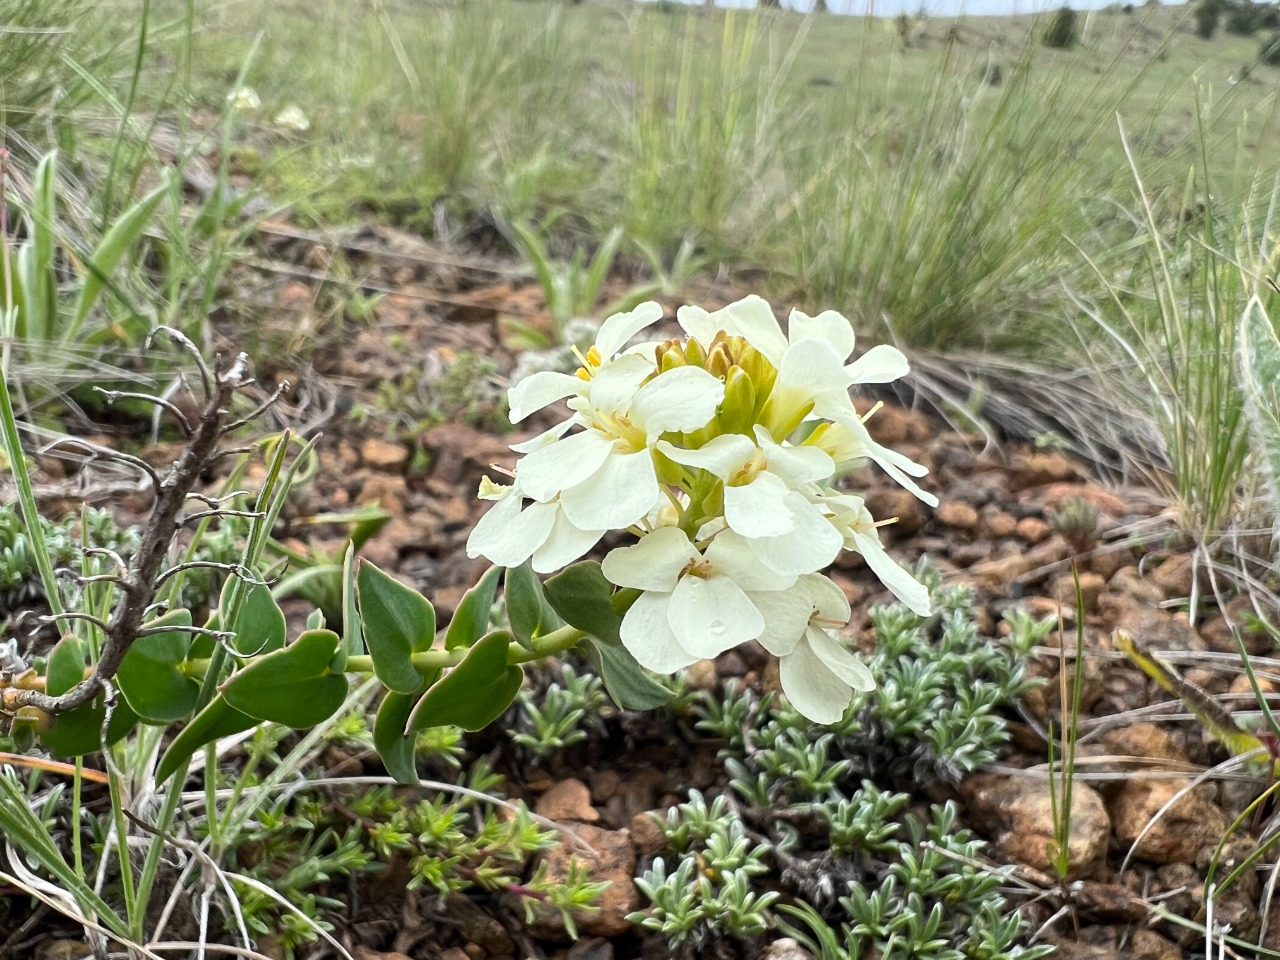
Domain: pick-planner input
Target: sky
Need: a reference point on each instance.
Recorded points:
(936, 8)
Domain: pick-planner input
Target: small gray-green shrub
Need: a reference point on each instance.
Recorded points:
(821, 810)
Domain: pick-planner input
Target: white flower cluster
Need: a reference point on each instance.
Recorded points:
(689, 444)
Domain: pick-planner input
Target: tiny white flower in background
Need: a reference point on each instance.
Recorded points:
(244, 98)
(818, 673)
(292, 118)
(695, 605)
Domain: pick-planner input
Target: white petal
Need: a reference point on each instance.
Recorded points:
(539, 390)
(828, 600)
(733, 556)
(811, 687)
(697, 323)
(565, 544)
(615, 385)
(647, 635)
(892, 462)
(811, 545)
(655, 562)
(564, 463)
(621, 327)
(681, 399)
(786, 615)
(814, 366)
(723, 456)
(828, 325)
(840, 660)
(759, 508)
(795, 465)
(507, 535)
(711, 615)
(880, 364)
(622, 492)
(904, 586)
(753, 319)
(545, 437)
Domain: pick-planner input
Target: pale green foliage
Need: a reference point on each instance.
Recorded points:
(1259, 348)
(869, 878)
(561, 715)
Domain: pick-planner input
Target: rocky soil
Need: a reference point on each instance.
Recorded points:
(1009, 524)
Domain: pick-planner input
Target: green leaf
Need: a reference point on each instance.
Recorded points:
(581, 595)
(471, 619)
(394, 745)
(352, 642)
(397, 622)
(527, 608)
(260, 626)
(150, 676)
(475, 692)
(119, 240)
(292, 686)
(218, 719)
(66, 665)
(629, 686)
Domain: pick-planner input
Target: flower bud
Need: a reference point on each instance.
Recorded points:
(719, 360)
(737, 413)
(695, 352)
(669, 356)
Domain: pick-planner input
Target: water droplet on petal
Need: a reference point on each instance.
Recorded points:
(717, 628)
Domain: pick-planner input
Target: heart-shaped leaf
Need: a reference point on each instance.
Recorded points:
(581, 595)
(217, 719)
(527, 608)
(352, 642)
(397, 622)
(292, 686)
(394, 745)
(260, 626)
(629, 686)
(150, 676)
(475, 692)
(471, 619)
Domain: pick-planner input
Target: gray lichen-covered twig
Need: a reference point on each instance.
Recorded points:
(138, 582)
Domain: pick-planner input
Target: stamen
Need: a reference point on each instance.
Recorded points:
(873, 411)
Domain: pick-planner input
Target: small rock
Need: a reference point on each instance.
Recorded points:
(1240, 695)
(62, 950)
(1017, 812)
(1105, 501)
(886, 503)
(295, 297)
(961, 516)
(1129, 582)
(1032, 529)
(967, 554)
(1063, 589)
(1176, 575)
(785, 948)
(604, 784)
(364, 953)
(379, 454)
(615, 861)
(1151, 627)
(592, 948)
(567, 800)
(1000, 574)
(998, 524)
(1144, 740)
(453, 953)
(1186, 828)
(477, 927)
(701, 675)
(387, 491)
(646, 835)
(1037, 469)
